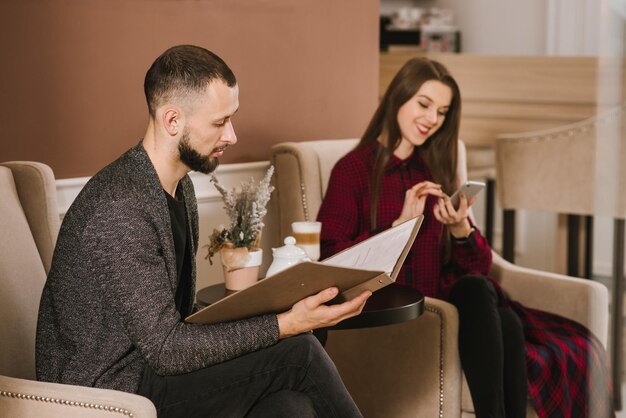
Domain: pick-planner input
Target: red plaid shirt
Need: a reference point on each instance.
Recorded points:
(345, 217)
(567, 366)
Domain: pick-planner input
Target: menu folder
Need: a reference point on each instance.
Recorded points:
(368, 265)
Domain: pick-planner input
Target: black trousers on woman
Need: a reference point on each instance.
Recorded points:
(491, 347)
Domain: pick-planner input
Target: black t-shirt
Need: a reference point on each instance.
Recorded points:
(178, 218)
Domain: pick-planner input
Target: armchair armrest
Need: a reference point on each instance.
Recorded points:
(417, 359)
(584, 301)
(29, 398)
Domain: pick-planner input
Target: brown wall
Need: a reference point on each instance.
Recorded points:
(72, 72)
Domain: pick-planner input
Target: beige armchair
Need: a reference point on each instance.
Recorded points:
(413, 369)
(580, 167)
(29, 223)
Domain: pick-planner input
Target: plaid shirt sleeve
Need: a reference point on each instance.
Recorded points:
(471, 256)
(345, 220)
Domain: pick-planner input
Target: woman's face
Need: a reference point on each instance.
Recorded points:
(422, 115)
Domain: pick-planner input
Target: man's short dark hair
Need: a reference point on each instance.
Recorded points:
(183, 70)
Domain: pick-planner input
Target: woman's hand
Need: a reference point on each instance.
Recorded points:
(415, 200)
(311, 312)
(456, 219)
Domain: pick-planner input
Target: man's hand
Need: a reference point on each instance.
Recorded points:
(311, 313)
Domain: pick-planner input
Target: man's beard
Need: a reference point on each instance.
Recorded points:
(193, 159)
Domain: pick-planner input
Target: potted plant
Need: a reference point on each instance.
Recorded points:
(239, 243)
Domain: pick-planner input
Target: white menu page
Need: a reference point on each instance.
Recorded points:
(380, 252)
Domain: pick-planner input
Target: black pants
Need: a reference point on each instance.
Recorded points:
(491, 347)
(294, 378)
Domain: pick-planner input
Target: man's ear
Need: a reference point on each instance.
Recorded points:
(171, 119)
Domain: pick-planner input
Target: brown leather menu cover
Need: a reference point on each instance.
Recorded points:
(281, 291)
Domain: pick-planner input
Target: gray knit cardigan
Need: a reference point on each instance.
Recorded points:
(108, 309)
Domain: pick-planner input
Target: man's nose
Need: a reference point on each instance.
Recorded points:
(229, 135)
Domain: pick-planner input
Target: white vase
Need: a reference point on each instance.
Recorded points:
(244, 272)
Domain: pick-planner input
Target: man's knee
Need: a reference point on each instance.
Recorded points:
(303, 347)
(306, 352)
(284, 404)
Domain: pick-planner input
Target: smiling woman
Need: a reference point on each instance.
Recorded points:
(402, 122)
(422, 116)
(504, 347)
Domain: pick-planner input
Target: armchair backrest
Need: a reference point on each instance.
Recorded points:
(36, 188)
(301, 177)
(302, 174)
(579, 167)
(29, 223)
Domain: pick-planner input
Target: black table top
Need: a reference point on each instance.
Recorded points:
(390, 305)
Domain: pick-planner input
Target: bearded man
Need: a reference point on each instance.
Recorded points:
(123, 276)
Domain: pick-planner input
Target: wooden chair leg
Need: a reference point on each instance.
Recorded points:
(573, 245)
(490, 210)
(508, 235)
(589, 247)
(617, 311)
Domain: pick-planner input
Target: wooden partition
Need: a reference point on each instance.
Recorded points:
(508, 94)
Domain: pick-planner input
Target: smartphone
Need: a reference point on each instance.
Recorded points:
(469, 188)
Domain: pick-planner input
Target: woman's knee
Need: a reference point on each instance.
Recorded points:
(471, 290)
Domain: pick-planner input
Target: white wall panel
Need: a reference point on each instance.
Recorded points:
(210, 209)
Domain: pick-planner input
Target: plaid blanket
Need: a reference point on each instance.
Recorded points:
(567, 368)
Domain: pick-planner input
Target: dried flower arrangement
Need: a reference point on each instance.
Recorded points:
(245, 210)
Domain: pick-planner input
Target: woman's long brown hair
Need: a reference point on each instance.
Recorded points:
(439, 151)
